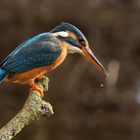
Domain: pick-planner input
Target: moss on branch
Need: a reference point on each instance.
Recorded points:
(33, 109)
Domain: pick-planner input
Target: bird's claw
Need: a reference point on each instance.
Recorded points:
(34, 87)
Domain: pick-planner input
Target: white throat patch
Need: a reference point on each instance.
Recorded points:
(73, 49)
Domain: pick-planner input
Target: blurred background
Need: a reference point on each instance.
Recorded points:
(87, 105)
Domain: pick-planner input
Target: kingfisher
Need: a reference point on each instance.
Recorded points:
(44, 53)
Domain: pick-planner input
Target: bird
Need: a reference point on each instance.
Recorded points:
(44, 53)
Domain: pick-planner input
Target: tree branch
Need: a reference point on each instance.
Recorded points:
(33, 109)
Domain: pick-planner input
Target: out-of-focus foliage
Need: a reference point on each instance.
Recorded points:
(87, 105)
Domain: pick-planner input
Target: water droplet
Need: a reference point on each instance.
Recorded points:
(102, 85)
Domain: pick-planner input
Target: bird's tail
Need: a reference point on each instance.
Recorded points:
(2, 75)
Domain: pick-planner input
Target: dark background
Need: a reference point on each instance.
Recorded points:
(87, 105)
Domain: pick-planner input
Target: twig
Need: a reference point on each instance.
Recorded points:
(33, 108)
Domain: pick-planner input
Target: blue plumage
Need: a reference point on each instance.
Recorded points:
(38, 51)
(43, 53)
(2, 75)
(69, 27)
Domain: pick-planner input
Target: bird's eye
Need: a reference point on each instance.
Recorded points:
(82, 42)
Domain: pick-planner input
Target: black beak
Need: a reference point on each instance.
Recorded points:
(88, 53)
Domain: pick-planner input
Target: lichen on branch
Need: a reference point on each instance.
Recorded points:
(33, 109)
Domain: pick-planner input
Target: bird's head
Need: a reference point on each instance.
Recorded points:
(78, 42)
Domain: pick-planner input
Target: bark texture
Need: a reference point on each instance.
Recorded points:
(33, 109)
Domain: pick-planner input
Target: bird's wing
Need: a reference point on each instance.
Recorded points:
(36, 52)
(24, 44)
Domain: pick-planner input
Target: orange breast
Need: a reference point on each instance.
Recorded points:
(28, 76)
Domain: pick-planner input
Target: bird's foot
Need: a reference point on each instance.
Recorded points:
(34, 87)
(41, 76)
